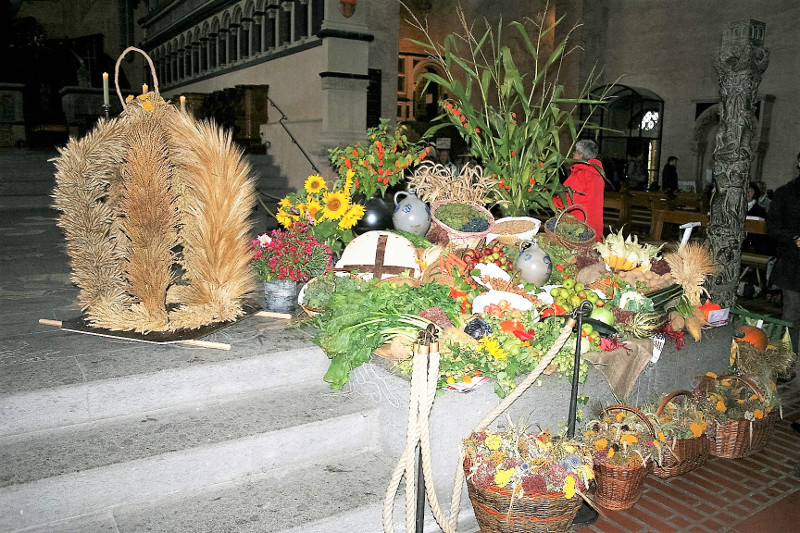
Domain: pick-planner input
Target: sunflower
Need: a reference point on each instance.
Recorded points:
(312, 207)
(315, 184)
(352, 216)
(336, 205)
(285, 203)
(286, 218)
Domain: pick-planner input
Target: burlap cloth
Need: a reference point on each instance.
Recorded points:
(621, 367)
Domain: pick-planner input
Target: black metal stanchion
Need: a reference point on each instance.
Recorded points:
(586, 515)
(107, 111)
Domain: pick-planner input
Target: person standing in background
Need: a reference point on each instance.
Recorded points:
(586, 186)
(783, 227)
(669, 176)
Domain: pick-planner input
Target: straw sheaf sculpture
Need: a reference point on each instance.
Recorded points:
(155, 210)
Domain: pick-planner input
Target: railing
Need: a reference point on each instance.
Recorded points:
(292, 137)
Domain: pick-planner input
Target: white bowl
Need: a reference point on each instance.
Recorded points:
(494, 297)
(524, 236)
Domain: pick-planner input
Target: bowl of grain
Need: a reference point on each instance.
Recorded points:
(512, 230)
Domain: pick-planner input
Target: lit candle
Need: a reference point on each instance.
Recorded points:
(105, 88)
(183, 103)
(144, 88)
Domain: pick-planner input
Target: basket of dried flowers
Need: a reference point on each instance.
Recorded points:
(622, 441)
(741, 413)
(680, 430)
(518, 481)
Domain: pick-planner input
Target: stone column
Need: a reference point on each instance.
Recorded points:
(741, 61)
(344, 75)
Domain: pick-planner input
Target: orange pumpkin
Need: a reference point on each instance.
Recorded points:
(753, 335)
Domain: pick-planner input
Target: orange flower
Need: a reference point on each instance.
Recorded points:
(721, 406)
(758, 414)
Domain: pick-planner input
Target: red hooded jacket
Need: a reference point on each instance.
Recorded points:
(587, 185)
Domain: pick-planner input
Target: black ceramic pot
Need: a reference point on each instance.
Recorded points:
(377, 216)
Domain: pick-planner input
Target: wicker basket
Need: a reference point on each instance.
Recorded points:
(585, 240)
(680, 456)
(443, 234)
(738, 438)
(620, 486)
(497, 512)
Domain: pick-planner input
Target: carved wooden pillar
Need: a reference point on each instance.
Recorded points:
(741, 61)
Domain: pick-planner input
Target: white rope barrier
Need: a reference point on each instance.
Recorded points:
(424, 379)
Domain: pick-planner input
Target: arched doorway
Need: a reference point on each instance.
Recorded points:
(630, 138)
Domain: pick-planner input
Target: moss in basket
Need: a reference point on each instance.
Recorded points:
(462, 217)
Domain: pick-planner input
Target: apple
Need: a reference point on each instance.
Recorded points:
(603, 314)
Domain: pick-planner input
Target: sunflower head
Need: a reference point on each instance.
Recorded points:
(352, 216)
(336, 205)
(315, 184)
(312, 207)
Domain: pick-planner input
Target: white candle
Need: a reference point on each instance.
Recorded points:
(183, 103)
(144, 88)
(105, 88)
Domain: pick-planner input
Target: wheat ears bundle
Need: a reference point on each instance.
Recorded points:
(155, 209)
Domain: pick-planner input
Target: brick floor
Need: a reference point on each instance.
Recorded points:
(757, 493)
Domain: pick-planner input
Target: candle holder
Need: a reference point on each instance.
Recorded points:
(107, 111)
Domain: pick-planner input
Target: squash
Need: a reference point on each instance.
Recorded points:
(754, 335)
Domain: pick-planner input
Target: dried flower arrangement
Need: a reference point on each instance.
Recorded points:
(736, 398)
(620, 438)
(528, 463)
(690, 266)
(135, 189)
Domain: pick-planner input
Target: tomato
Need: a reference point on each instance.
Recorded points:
(510, 326)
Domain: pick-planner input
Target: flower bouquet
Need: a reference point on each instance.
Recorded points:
(623, 444)
(680, 432)
(741, 413)
(380, 162)
(327, 215)
(519, 481)
(291, 254)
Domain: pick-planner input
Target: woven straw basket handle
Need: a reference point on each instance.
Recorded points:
(631, 409)
(669, 397)
(152, 73)
(747, 382)
(576, 207)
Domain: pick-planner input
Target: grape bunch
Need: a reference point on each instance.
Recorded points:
(475, 225)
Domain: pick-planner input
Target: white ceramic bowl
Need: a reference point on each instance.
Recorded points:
(526, 235)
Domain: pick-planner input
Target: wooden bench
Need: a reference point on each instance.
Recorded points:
(756, 261)
(615, 211)
(673, 216)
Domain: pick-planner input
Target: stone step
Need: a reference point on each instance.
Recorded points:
(77, 378)
(69, 472)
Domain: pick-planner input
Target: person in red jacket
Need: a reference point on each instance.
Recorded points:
(586, 186)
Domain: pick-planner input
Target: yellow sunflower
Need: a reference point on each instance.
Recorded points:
(352, 216)
(285, 203)
(312, 207)
(285, 218)
(336, 205)
(315, 184)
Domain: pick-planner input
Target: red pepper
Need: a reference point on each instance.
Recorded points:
(525, 335)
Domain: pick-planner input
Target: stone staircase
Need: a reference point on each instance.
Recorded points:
(26, 178)
(256, 442)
